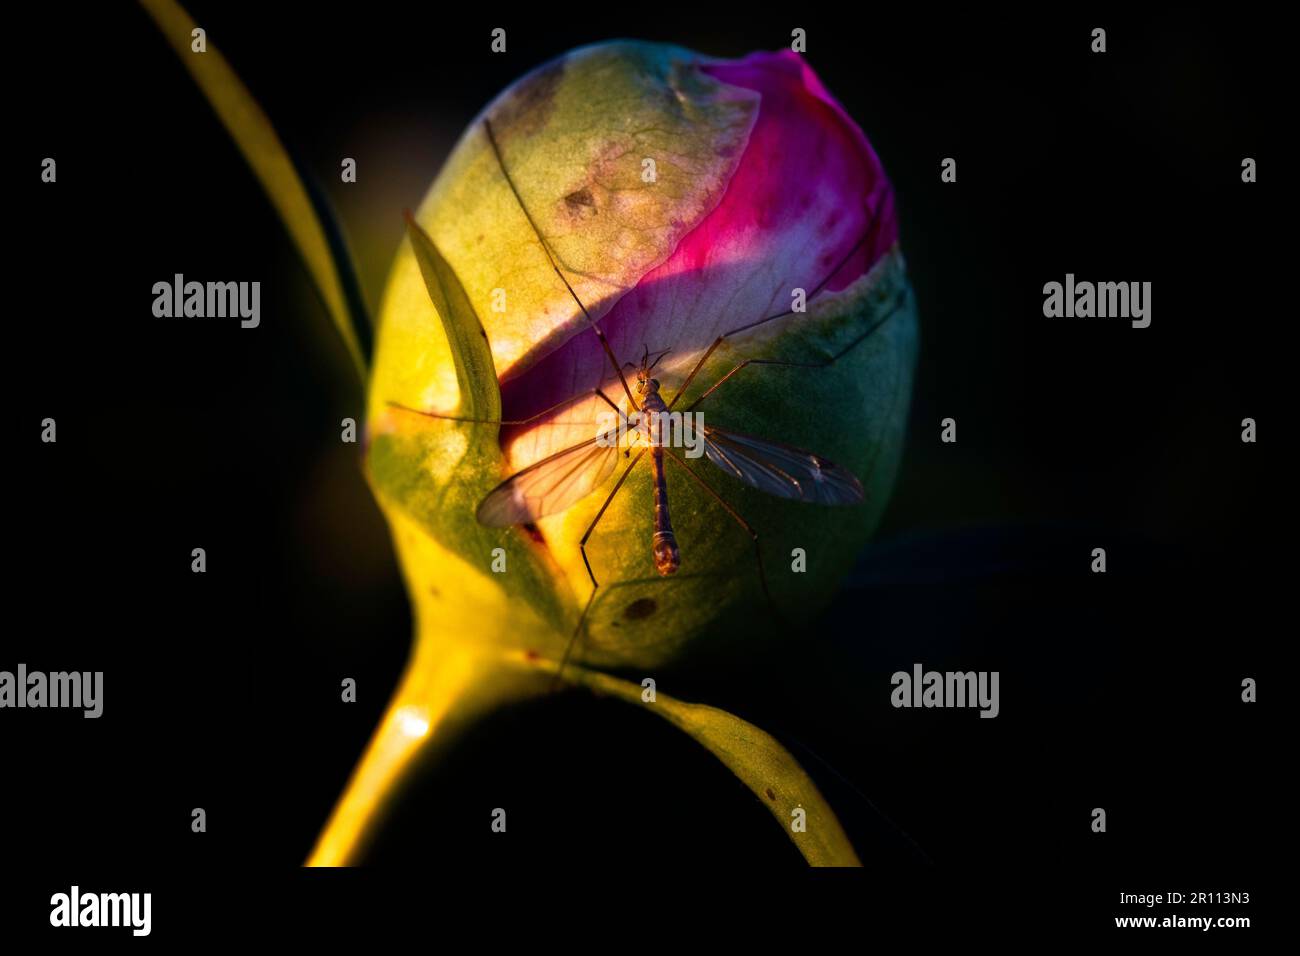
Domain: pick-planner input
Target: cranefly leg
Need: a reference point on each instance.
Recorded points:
(522, 421)
(749, 529)
(898, 302)
(582, 547)
(604, 342)
(772, 318)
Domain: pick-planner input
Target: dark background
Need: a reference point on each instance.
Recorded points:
(222, 690)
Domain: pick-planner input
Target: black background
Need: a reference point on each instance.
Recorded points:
(221, 690)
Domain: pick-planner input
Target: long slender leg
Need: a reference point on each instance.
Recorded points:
(604, 342)
(522, 421)
(829, 361)
(820, 286)
(771, 318)
(758, 551)
(695, 371)
(582, 547)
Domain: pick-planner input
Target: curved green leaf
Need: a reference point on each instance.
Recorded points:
(436, 471)
(304, 214)
(753, 755)
(476, 375)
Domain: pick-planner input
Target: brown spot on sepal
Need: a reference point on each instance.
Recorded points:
(640, 609)
(770, 795)
(580, 204)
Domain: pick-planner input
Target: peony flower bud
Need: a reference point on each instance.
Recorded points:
(682, 197)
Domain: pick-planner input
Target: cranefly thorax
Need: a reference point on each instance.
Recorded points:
(652, 428)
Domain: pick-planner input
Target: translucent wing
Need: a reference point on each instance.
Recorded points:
(552, 484)
(781, 470)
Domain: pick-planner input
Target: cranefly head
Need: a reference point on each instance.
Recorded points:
(644, 383)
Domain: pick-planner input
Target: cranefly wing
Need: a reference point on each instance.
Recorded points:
(781, 470)
(552, 484)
